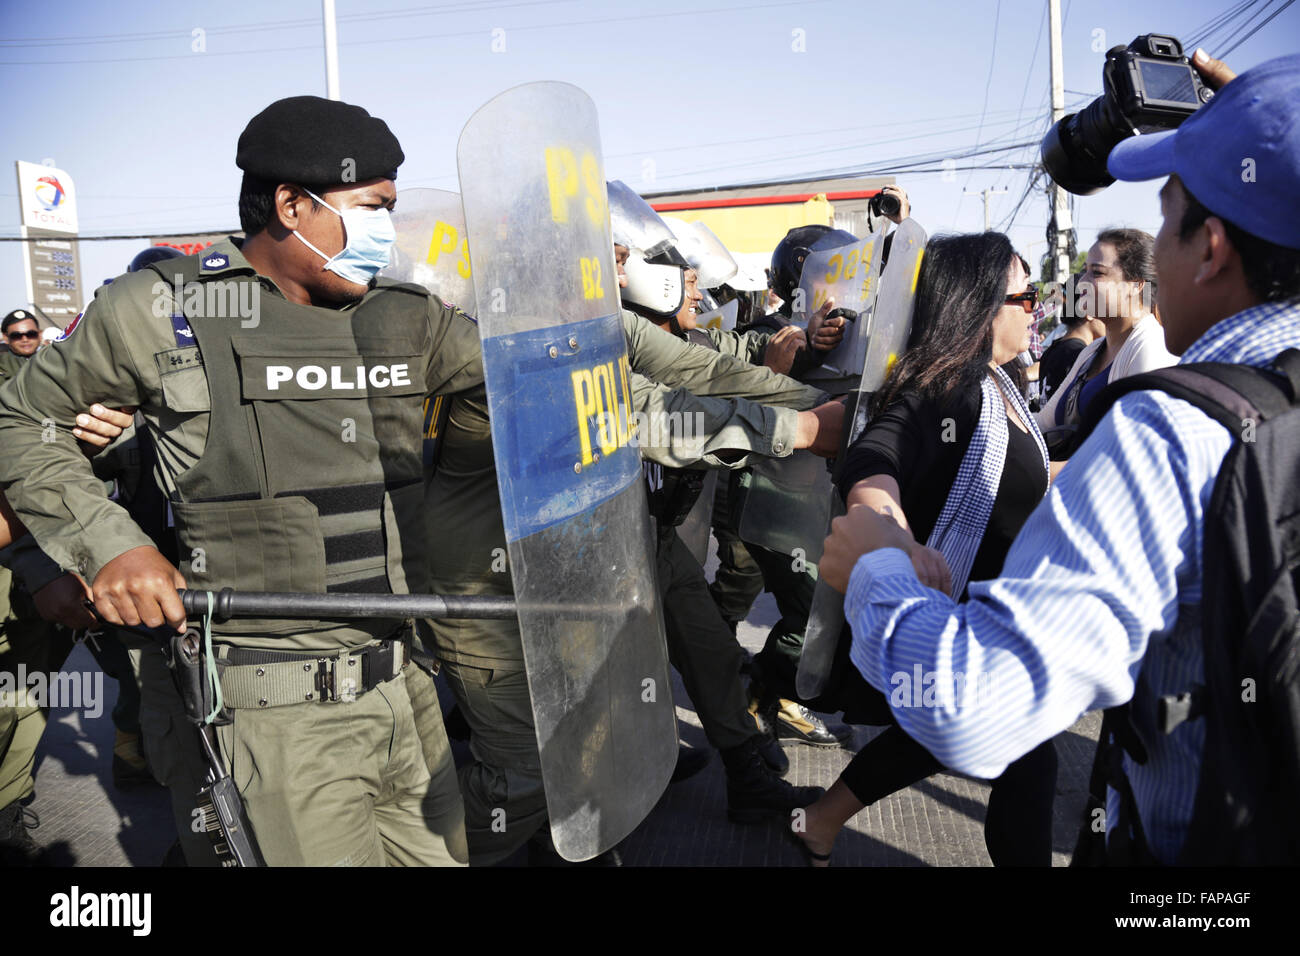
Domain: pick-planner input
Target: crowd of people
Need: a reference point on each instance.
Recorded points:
(1035, 551)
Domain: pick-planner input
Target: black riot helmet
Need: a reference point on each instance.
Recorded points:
(151, 255)
(789, 255)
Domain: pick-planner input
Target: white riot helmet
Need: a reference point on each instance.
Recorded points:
(655, 290)
(656, 269)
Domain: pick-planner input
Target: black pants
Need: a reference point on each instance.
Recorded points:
(1018, 824)
(702, 647)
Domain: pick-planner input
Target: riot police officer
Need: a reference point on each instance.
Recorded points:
(283, 386)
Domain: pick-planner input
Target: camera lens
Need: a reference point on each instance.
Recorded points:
(886, 204)
(1074, 150)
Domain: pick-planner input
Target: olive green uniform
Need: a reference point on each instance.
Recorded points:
(11, 364)
(26, 640)
(505, 801)
(306, 482)
(746, 569)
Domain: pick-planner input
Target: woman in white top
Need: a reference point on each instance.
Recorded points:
(1118, 286)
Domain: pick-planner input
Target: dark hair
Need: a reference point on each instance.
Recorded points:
(961, 287)
(12, 320)
(257, 202)
(1136, 252)
(1272, 271)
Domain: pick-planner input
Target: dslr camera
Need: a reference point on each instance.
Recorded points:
(883, 205)
(1149, 85)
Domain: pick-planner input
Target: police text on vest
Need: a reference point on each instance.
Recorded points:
(337, 377)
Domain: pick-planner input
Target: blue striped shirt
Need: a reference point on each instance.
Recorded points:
(1099, 594)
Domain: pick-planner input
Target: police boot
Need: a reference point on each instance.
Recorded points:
(754, 791)
(690, 761)
(764, 712)
(796, 722)
(17, 848)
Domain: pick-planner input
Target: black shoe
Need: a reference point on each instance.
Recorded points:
(755, 792)
(17, 848)
(764, 722)
(796, 722)
(689, 762)
(769, 748)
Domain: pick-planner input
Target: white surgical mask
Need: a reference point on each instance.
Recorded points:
(370, 236)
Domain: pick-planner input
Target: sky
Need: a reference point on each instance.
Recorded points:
(142, 102)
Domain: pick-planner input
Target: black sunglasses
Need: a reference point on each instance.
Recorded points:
(29, 334)
(1027, 300)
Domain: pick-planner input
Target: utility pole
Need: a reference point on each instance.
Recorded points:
(331, 50)
(986, 193)
(1061, 228)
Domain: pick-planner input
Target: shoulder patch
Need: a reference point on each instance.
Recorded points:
(215, 261)
(181, 328)
(71, 327)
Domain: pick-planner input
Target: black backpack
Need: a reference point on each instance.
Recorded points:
(1247, 809)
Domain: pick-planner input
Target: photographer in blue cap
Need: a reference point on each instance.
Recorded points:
(1157, 579)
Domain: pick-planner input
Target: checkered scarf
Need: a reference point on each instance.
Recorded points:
(960, 528)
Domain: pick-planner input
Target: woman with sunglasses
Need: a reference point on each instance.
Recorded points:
(952, 454)
(1118, 287)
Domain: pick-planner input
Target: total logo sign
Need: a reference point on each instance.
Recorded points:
(47, 197)
(49, 192)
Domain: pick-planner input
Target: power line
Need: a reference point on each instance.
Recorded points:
(407, 39)
(1256, 30)
(86, 40)
(1198, 36)
(988, 83)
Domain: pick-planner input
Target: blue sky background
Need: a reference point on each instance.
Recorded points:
(712, 93)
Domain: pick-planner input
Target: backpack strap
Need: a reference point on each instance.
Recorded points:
(1227, 392)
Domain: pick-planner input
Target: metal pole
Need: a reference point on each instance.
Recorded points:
(268, 604)
(331, 50)
(1060, 205)
(986, 193)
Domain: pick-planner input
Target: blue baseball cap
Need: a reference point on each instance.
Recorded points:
(1239, 155)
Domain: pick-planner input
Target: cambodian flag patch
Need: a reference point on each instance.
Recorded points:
(71, 327)
(216, 261)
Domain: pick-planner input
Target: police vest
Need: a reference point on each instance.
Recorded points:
(311, 478)
(672, 492)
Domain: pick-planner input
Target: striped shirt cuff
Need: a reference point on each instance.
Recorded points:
(872, 565)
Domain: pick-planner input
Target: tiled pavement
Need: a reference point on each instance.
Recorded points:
(937, 822)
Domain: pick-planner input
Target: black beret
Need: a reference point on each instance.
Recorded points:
(317, 142)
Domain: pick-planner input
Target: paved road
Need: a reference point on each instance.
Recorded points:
(938, 822)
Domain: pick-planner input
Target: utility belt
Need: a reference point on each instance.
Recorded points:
(257, 679)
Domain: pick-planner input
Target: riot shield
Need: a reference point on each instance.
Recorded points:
(704, 251)
(569, 472)
(890, 328)
(849, 274)
(723, 317)
(634, 224)
(431, 248)
(787, 505)
(697, 527)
